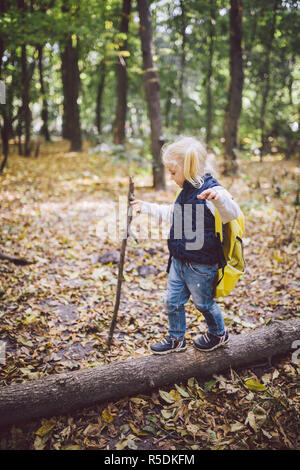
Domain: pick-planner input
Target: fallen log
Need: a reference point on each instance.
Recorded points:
(63, 393)
(15, 259)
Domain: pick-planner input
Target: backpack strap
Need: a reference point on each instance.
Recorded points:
(219, 236)
(217, 282)
(218, 224)
(169, 264)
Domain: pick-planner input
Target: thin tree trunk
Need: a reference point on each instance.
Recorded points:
(44, 113)
(266, 84)
(212, 22)
(19, 128)
(152, 90)
(182, 68)
(71, 84)
(168, 106)
(4, 128)
(121, 108)
(234, 106)
(25, 117)
(7, 108)
(63, 393)
(291, 78)
(99, 96)
(4, 136)
(26, 113)
(2, 11)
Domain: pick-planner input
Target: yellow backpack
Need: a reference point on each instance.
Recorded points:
(231, 254)
(232, 263)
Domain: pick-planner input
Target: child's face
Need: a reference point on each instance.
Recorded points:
(176, 173)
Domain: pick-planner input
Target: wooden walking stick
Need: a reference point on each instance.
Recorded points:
(122, 259)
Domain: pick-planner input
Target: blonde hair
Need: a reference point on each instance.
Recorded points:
(191, 155)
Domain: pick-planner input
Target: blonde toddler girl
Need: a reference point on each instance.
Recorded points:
(193, 266)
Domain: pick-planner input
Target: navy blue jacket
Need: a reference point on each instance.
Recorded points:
(185, 213)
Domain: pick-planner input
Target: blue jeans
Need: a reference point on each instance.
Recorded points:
(197, 280)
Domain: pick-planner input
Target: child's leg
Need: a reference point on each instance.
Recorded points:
(177, 295)
(200, 280)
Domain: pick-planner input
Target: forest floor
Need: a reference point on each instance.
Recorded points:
(55, 313)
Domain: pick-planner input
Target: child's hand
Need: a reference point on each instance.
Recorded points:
(136, 204)
(209, 194)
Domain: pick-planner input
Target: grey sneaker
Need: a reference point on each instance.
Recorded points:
(169, 344)
(208, 342)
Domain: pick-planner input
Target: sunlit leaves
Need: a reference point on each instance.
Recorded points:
(55, 313)
(255, 385)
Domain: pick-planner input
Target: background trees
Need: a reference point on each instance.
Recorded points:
(76, 68)
(60, 62)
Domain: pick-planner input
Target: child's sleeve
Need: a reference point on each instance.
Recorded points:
(226, 205)
(160, 211)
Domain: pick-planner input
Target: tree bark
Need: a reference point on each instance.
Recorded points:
(63, 393)
(4, 136)
(121, 109)
(2, 11)
(26, 113)
(44, 114)
(4, 127)
(152, 90)
(99, 96)
(19, 131)
(212, 32)
(7, 110)
(169, 95)
(182, 68)
(266, 81)
(234, 106)
(71, 83)
(26, 75)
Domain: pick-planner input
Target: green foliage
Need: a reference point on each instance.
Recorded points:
(95, 26)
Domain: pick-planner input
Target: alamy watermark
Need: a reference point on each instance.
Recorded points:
(2, 352)
(188, 224)
(296, 354)
(2, 92)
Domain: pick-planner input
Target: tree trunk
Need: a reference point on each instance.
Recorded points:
(2, 11)
(121, 109)
(212, 33)
(152, 90)
(4, 127)
(99, 96)
(25, 117)
(19, 131)
(182, 68)
(44, 114)
(63, 393)
(4, 136)
(26, 113)
(266, 84)
(8, 109)
(168, 106)
(71, 83)
(234, 106)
